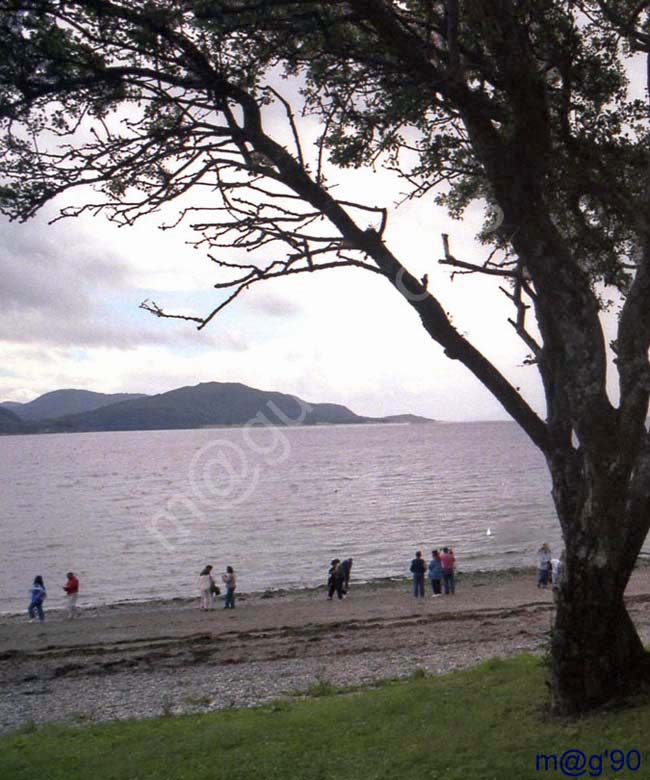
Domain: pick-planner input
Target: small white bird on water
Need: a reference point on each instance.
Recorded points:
(488, 532)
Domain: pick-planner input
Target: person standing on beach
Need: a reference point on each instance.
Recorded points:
(418, 570)
(38, 595)
(335, 580)
(543, 565)
(556, 563)
(230, 582)
(205, 587)
(435, 573)
(448, 563)
(339, 576)
(214, 592)
(71, 589)
(346, 566)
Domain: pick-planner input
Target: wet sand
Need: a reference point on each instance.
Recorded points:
(140, 660)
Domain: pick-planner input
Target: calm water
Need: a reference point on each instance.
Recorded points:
(138, 514)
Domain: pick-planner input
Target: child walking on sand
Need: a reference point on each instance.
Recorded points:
(230, 582)
(71, 589)
(38, 594)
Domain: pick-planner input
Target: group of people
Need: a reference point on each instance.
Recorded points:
(441, 570)
(38, 594)
(209, 589)
(338, 578)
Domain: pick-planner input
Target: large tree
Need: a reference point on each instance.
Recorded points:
(522, 104)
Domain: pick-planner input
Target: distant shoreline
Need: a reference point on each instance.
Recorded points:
(239, 426)
(475, 578)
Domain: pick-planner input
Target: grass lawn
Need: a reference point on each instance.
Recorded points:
(488, 723)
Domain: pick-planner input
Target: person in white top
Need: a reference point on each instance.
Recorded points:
(555, 572)
(205, 587)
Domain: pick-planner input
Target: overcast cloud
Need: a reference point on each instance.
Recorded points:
(71, 291)
(69, 314)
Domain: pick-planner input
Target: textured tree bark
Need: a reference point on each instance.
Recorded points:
(597, 655)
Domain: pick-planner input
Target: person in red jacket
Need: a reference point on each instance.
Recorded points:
(448, 563)
(71, 589)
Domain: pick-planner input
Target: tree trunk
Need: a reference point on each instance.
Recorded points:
(597, 656)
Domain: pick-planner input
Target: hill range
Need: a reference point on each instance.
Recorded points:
(209, 404)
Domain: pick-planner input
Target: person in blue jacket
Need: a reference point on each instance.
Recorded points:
(435, 573)
(38, 594)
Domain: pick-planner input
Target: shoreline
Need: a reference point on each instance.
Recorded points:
(473, 577)
(227, 426)
(490, 575)
(154, 658)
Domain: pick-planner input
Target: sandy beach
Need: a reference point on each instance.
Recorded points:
(143, 660)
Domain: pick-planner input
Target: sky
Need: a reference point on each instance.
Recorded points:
(70, 316)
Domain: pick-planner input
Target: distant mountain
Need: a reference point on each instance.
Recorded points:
(11, 423)
(402, 418)
(59, 403)
(210, 404)
(207, 404)
(12, 406)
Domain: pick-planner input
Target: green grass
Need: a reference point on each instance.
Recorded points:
(488, 723)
